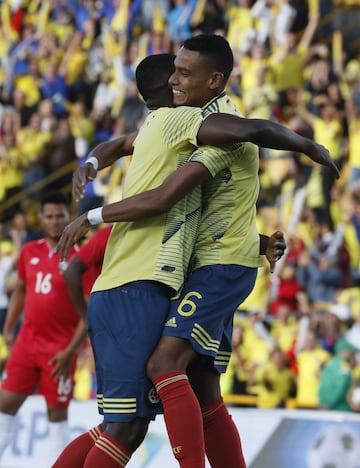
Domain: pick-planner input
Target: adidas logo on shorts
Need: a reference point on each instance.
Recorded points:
(171, 322)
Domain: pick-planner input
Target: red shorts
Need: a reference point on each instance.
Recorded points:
(27, 371)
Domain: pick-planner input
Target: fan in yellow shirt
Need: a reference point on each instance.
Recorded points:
(284, 328)
(240, 23)
(11, 167)
(29, 84)
(250, 63)
(31, 140)
(256, 346)
(275, 381)
(328, 130)
(288, 58)
(260, 99)
(310, 361)
(353, 117)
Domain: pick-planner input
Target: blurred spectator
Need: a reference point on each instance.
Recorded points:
(256, 345)
(178, 20)
(59, 151)
(316, 87)
(54, 88)
(73, 65)
(319, 275)
(82, 128)
(310, 361)
(328, 131)
(107, 91)
(19, 231)
(353, 396)
(10, 121)
(31, 141)
(287, 62)
(47, 115)
(336, 378)
(260, 99)
(249, 64)
(241, 30)
(133, 111)
(104, 128)
(209, 17)
(84, 374)
(288, 287)
(275, 382)
(8, 256)
(234, 381)
(352, 335)
(23, 111)
(284, 328)
(353, 118)
(11, 173)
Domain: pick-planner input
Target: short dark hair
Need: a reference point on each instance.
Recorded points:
(152, 74)
(216, 48)
(57, 198)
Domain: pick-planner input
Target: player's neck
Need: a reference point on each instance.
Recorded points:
(52, 243)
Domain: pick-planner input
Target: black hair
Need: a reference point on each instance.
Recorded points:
(215, 48)
(152, 74)
(56, 198)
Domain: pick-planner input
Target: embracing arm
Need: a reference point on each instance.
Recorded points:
(219, 129)
(103, 155)
(159, 200)
(110, 151)
(143, 205)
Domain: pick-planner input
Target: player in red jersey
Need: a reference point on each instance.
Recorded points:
(43, 356)
(88, 259)
(84, 267)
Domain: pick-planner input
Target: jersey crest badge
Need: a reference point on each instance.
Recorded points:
(153, 396)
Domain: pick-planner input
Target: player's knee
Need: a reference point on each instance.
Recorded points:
(171, 354)
(156, 366)
(57, 414)
(129, 434)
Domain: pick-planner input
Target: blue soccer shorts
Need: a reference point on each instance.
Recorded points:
(124, 325)
(203, 314)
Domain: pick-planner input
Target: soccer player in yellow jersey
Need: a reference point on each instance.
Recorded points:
(226, 244)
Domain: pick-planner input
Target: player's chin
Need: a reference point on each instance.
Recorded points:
(179, 100)
(56, 234)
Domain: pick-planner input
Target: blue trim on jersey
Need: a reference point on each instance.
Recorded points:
(212, 106)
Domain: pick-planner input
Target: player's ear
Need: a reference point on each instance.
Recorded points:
(216, 80)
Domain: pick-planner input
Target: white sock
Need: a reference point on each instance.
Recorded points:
(7, 424)
(59, 437)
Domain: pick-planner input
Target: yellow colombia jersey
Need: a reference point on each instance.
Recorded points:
(158, 249)
(228, 232)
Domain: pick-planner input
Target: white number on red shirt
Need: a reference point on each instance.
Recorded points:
(43, 283)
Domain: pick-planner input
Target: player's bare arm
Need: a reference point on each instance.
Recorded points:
(143, 205)
(15, 309)
(105, 155)
(219, 129)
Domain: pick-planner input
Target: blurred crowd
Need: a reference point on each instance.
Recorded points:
(67, 83)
